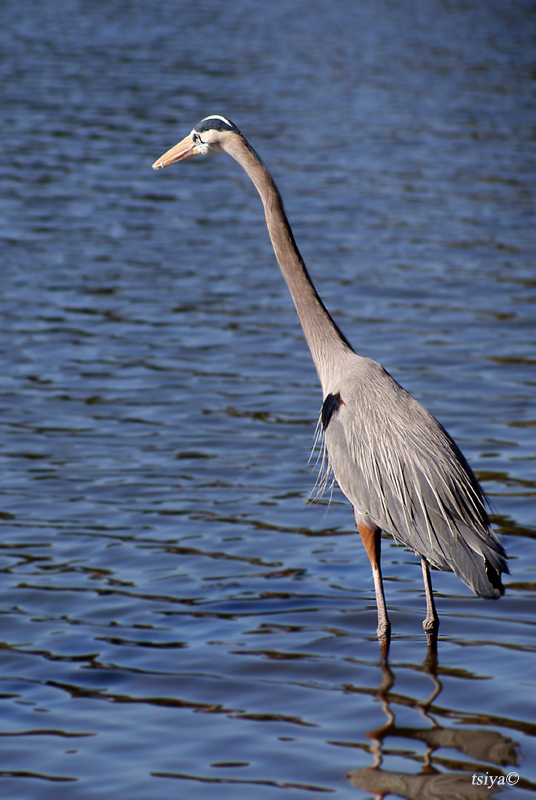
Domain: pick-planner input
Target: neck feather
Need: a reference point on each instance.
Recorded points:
(328, 346)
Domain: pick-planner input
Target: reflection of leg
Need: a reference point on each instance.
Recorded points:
(378, 734)
(371, 538)
(431, 622)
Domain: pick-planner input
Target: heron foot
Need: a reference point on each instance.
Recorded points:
(431, 627)
(384, 639)
(384, 628)
(431, 623)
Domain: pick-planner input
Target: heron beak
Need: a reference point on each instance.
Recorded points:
(180, 152)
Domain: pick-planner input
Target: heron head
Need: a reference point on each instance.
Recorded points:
(207, 137)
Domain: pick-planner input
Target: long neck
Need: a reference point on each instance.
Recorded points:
(327, 344)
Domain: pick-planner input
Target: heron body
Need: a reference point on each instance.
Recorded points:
(392, 459)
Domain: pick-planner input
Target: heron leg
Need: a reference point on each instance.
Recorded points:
(371, 538)
(431, 622)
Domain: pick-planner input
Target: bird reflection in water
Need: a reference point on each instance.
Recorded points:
(482, 747)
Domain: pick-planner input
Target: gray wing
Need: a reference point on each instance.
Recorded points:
(401, 470)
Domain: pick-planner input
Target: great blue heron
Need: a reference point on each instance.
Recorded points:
(396, 464)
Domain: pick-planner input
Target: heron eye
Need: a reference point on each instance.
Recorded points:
(196, 138)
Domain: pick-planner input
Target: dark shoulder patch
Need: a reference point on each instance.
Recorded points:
(331, 404)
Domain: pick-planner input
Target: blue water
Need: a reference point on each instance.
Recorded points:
(177, 620)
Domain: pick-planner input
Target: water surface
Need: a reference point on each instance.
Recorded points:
(178, 620)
